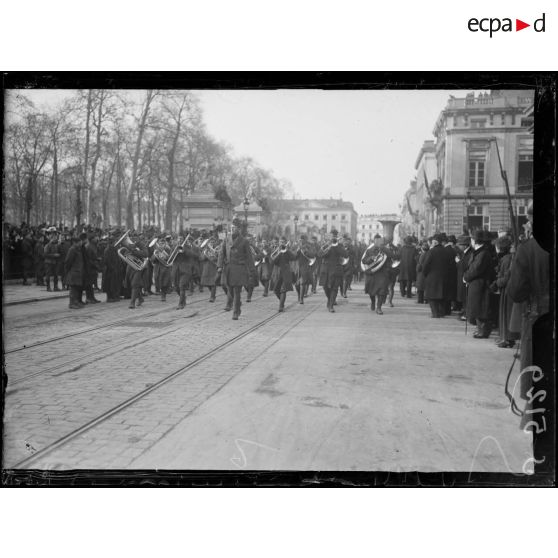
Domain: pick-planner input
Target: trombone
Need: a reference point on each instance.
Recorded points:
(177, 248)
(281, 249)
(125, 252)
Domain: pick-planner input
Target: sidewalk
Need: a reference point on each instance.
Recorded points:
(16, 293)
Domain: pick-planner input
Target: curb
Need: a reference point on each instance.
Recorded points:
(28, 300)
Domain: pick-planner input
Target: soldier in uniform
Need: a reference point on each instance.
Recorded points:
(331, 272)
(208, 259)
(112, 269)
(134, 277)
(236, 264)
(52, 255)
(317, 264)
(162, 271)
(376, 284)
(265, 267)
(282, 258)
(305, 271)
(253, 280)
(182, 272)
(348, 268)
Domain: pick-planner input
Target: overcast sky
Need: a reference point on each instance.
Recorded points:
(361, 145)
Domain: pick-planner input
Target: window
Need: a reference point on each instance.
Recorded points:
(513, 120)
(492, 119)
(343, 217)
(363, 227)
(316, 217)
(369, 226)
(325, 217)
(503, 119)
(478, 123)
(343, 229)
(525, 164)
(455, 121)
(477, 164)
(527, 122)
(307, 217)
(333, 217)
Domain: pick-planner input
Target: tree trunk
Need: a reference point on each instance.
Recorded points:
(86, 160)
(106, 215)
(118, 193)
(135, 160)
(98, 125)
(54, 197)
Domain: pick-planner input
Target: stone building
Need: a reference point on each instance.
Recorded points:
(469, 133)
(313, 217)
(201, 210)
(461, 167)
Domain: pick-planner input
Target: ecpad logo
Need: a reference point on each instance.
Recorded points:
(494, 24)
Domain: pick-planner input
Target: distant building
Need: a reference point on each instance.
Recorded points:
(313, 217)
(201, 210)
(371, 225)
(467, 184)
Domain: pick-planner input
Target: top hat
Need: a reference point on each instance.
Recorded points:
(464, 240)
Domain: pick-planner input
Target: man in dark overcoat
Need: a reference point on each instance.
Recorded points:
(39, 259)
(63, 248)
(435, 270)
(74, 268)
(208, 259)
(420, 275)
(92, 263)
(282, 259)
(27, 248)
(182, 272)
(479, 275)
(376, 284)
(464, 251)
(331, 269)
(450, 296)
(236, 264)
(112, 269)
(530, 284)
(407, 267)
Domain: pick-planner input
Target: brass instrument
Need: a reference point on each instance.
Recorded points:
(209, 249)
(281, 249)
(125, 252)
(376, 264)
(311, 261)
(326, 246)
(257, 260)
(176, 249)
(161, 255)
(154, 241)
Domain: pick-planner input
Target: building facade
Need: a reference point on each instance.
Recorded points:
(201, 210)
(313, 217)
(473, 136)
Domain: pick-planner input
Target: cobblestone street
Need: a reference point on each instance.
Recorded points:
(302, 390)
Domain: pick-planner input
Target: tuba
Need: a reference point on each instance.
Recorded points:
(376, 264)
(209, 250)
(125, 252)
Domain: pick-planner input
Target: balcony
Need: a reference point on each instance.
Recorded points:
(475, 190)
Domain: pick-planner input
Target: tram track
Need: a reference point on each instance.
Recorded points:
(82, 360)
(67, 438)
(137, 317)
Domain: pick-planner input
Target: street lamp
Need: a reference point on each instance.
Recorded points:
(246, 204)
(295, 225)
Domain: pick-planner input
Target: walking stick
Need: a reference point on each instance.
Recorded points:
(466, 297)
